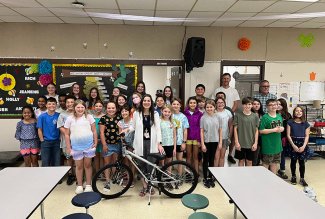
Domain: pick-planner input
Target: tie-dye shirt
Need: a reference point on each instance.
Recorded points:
(81, 136)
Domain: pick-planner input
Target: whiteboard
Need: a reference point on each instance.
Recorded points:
(312, 91)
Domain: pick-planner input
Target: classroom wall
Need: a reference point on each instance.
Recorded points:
(277, 46)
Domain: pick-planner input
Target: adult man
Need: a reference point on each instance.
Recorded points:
(264, 94)
(232, 95)
(232, 101)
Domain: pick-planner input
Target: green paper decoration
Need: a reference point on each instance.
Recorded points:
(306, 41)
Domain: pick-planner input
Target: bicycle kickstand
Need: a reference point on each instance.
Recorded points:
(150, 194)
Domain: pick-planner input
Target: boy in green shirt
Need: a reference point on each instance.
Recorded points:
(270, 130)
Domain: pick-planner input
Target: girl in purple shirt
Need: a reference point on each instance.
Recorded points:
(193, 115)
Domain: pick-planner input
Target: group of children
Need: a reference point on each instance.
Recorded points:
(86, 131)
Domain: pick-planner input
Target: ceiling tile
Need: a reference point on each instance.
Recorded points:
(172, 14)
(250, 6)
(316, 7)
(256, 23)
(15, 19)
(236, 16)
(318, 19)
(137, 4)
(46, 19)
(149, 13)
(264, 16)
(226, 23)
(213, 5)
(170, 5)
(208, 14)
(309, 24)
(21, 3)
(33, 11)
(77, 20)
(102, 10)
(100, 4)
(283, 24)
(286, 7)
(7, 11)
(69, 12)
(138, 23)
(204, 24)
(57, 3)
(107, 21)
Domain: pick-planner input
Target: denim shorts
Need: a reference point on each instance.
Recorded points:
(79, 155)
(112, 149)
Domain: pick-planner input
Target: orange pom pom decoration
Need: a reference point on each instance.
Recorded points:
(244, 44)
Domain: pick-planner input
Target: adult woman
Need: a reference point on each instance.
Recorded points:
(93, 98)
(77, 93)
(147, 137)
(168, 94)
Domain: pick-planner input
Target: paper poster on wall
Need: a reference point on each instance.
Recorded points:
(310, 91)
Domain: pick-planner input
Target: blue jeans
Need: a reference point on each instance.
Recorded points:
(50, 153)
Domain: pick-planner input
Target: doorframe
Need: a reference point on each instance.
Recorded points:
(243, 63)
(173, 63)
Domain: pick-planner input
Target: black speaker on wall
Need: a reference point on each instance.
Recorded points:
(194, 53)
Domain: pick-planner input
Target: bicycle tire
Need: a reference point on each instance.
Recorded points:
(120, 179)
(185, 183)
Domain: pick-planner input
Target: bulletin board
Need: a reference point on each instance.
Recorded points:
(23, 81)
(19, 86)
(102, 76)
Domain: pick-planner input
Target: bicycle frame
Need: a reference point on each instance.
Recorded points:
(130, 156)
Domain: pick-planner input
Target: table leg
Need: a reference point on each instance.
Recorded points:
(235, 211)
(42, 211)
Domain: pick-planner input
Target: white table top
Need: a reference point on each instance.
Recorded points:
(23, 189)
(258, 193)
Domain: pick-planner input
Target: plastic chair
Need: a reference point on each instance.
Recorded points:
(86, 200)
(195, 201)
(78, 216)
(202, 215)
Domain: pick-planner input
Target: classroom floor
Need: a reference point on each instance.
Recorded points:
(131, 205)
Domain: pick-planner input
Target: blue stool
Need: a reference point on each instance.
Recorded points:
(202, 215)
(86, 199)
(195, 201)
(78, 216)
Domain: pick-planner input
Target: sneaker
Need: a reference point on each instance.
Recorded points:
(211, 182)
(303, 182)
(231, 159)
(293, 180)
(206, 183)
(88, 188)
(107, 187)
(71, 179)
(79, 190)
(282, 174)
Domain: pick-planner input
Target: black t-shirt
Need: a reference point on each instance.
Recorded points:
(146, 127)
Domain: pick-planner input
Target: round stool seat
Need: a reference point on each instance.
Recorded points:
(202, 215)
(86, 199)
(78, 216)
(195, 201)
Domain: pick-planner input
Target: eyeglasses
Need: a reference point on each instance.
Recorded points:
(265, 86)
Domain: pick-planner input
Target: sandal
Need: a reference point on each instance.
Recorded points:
(142, 192)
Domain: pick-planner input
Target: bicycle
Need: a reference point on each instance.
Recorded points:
(174, 179)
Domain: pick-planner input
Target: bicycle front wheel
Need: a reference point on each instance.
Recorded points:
(179, 178)
(113, 180)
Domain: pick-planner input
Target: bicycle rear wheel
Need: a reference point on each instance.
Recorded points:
(180, 179)
(113, 180)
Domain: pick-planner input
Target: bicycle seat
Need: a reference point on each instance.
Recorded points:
(157, 156)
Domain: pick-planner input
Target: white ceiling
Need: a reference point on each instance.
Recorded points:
(232, 13)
